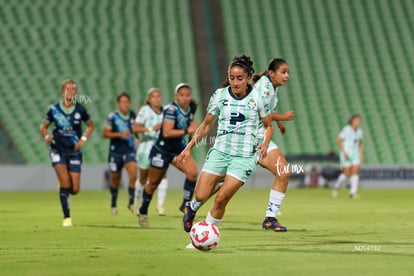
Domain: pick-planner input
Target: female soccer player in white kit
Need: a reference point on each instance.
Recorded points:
(351, 155)
(238, 108)
(267, 84)
(148, 124)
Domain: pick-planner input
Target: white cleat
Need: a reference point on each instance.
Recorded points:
(190, 246)
(161, 210)
(114, 211)
(67, 222)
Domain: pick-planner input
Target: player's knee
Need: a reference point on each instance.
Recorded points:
(192, 175)
(74, 191)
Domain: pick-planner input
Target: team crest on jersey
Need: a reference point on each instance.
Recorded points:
(77, 116)
(251, 104)
(266, 93)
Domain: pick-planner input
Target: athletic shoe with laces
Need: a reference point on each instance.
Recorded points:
(188, 217)
(273, 224)
(143, 220)
(130, 207)
(67, 222)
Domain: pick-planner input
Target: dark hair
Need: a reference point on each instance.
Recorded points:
(123, 94)
(273, 65)
(66, 82)
(353, 117)
(242, 61)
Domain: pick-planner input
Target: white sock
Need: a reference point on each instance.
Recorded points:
(162, 191)
(275, 201)
(195, 205)
(138, 192)
(339, 181)
(212, 220)
(354, 184)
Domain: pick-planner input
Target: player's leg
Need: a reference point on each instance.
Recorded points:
(238, 171)
(155, 175)
(344, 176)
(277, 164)
(115, 164)
(354, 180)
(203, 191)
(229, 188)
(63, 176)
(131, 168)
(143, 164)
(162, 194)
(190, 170)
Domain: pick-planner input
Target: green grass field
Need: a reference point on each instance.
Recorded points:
(373, 235)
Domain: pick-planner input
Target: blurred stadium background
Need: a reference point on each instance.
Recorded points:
(345, 56)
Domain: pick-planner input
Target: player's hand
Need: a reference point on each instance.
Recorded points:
(193, 127)
(79, 145)
(124, 134)
(262, 151)
(282, 127)
(156, 127)
(346, 155)
(289, 116)
(182, 157)
(49, 139)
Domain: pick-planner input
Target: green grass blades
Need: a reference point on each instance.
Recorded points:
(373, 235)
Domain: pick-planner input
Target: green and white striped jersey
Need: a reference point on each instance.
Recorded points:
(148, 118)
(238, 121)
(269, 94)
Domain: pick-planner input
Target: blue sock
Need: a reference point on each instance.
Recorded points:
(189, 187)
(64, 201)
(131, 194)
(114, 196)
(146, 200)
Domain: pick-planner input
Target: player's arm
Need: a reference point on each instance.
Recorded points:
(140, 128)
(361, 151)
(340, 142)
(201, 132)
(109, 134)
(267, 124)
(287, 116)
(88, 131)
(43, 131)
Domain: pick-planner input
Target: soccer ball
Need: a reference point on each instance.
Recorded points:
(204, 236)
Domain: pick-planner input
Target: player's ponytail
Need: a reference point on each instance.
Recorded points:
(273, 65)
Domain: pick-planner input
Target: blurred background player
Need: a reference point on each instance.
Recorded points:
(351, 155)
(66, 142)
(148, 124)
(267, 83)
(177, 123)
(238, 108)
(122, 154)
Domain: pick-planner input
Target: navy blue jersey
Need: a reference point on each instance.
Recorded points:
(120, 123)
(68, 126)
(182, 120)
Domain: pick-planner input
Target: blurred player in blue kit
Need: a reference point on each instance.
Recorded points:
(66, 143)
(122, 153)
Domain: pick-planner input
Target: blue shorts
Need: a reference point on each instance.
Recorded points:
(73, 161)
(160, 159)
(220, 164)
(117, 161)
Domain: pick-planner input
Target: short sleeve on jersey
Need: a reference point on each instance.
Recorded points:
(170, 113)
(109, 120)
(344, 133)
(141, 118)
(213, 105)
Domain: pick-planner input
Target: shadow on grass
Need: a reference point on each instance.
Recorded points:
(125, 227)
